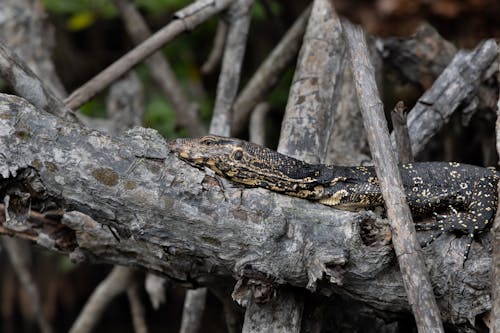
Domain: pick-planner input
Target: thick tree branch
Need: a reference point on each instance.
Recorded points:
(455, 89)
(307, 124)
(146, 208)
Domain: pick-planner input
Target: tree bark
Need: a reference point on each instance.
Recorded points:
(146, 208)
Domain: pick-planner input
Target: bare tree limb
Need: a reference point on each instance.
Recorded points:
(186, 113)
(455, 89)
(194, 307)
(217, 51)
(18, 257)
(495, 315)
(28, 85)
(151, 210)
(115, 283)
(184, 20)
(286, 306)
(269, 71)
(307, 124)
(238, 24)
(417, 283)
(136, 308)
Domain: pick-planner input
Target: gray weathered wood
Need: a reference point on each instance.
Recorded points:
(238, 16)
(416, 280)
(455, 89)
(307, 124)
(194, 227)
(495, 313)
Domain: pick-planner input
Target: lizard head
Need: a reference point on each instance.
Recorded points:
(215, 152)
(242, 161)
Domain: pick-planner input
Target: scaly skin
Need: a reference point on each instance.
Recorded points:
(466, 193)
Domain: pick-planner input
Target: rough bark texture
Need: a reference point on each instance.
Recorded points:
(307, 125)
(455, 89)
(417, 283)
(400, 128)
(199, 229)
(24, 28)
(282, 314)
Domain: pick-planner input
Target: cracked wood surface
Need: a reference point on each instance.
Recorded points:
(144, 207)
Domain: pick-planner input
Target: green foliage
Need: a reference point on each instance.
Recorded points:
(103, 8)
(95, 108)
(160, 116)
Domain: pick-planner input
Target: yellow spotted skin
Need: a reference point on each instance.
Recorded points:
(462, 197)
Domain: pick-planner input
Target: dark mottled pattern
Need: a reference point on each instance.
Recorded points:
(463, 198)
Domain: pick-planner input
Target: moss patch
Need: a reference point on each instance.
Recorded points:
(106, 176)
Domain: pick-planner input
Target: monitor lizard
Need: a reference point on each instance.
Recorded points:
(462, 198)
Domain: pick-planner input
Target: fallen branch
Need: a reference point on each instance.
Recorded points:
(145, 208)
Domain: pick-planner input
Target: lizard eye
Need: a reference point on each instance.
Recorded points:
(238, 155)
(208, 141)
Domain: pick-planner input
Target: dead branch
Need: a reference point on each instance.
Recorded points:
(455, 89)
(115, 283)
(495, 325)
(184, 20)
(27, 84)
(257, 128)
(307, 124)
(217, 51)
(417, 283)
(238, 17)
(400, 128)
(186, 113)
(145, 208)
(268, 73)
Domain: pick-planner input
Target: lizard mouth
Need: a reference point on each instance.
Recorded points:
(184, 150)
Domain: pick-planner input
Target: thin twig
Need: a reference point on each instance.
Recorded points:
(403, 145)
(268, 73)
(115, 283)
(495, 285)
(238, 17)
(18, 257)
(417, 283)
(215, 55)
(136, 308)
(184, 20)
(186, 113)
